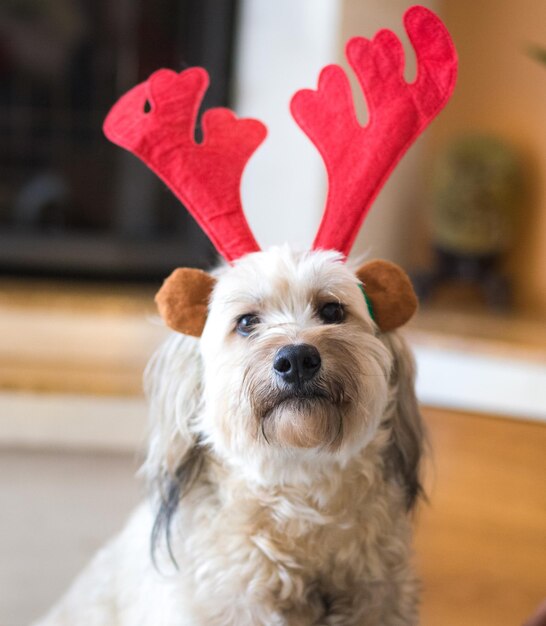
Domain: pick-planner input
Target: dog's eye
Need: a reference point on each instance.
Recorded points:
(246, 323)
(332, 313)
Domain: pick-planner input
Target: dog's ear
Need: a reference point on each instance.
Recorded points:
(183, 300)
(390, 293)
(172, 382)
(408, 437)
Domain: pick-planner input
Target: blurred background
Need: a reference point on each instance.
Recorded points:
(87, 234)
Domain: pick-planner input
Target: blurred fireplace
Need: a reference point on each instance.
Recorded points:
(71, 204)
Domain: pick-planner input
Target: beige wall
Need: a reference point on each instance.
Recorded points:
(282, 46)
(502, 90)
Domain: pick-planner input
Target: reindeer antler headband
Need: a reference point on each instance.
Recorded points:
(206, 176)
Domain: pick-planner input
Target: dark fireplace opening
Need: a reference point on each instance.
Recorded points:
(72, 204)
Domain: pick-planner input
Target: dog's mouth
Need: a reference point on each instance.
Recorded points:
(308, 417)
(303, 399)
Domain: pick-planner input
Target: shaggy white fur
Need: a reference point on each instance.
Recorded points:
(273, 510)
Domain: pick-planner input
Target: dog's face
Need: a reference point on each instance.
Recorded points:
(291, 357)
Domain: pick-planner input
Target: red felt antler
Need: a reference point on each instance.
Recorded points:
(205, 177)
(359, 159)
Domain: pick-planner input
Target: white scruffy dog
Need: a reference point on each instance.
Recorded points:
(284, 458)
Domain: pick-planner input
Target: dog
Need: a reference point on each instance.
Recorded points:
(284, 462)
(285, 452)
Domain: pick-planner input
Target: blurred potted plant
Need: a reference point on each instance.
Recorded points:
(477, 193)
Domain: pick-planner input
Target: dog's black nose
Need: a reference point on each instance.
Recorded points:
(297, 363)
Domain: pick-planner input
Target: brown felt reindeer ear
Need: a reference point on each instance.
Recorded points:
(183, 300)
(390, 293)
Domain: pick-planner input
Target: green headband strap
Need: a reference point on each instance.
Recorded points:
(368, 302)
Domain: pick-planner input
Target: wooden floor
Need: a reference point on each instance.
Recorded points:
(481, 542)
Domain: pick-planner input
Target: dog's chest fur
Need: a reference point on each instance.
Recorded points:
(299, 551)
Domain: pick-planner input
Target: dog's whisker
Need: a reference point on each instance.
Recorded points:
(263, 432)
